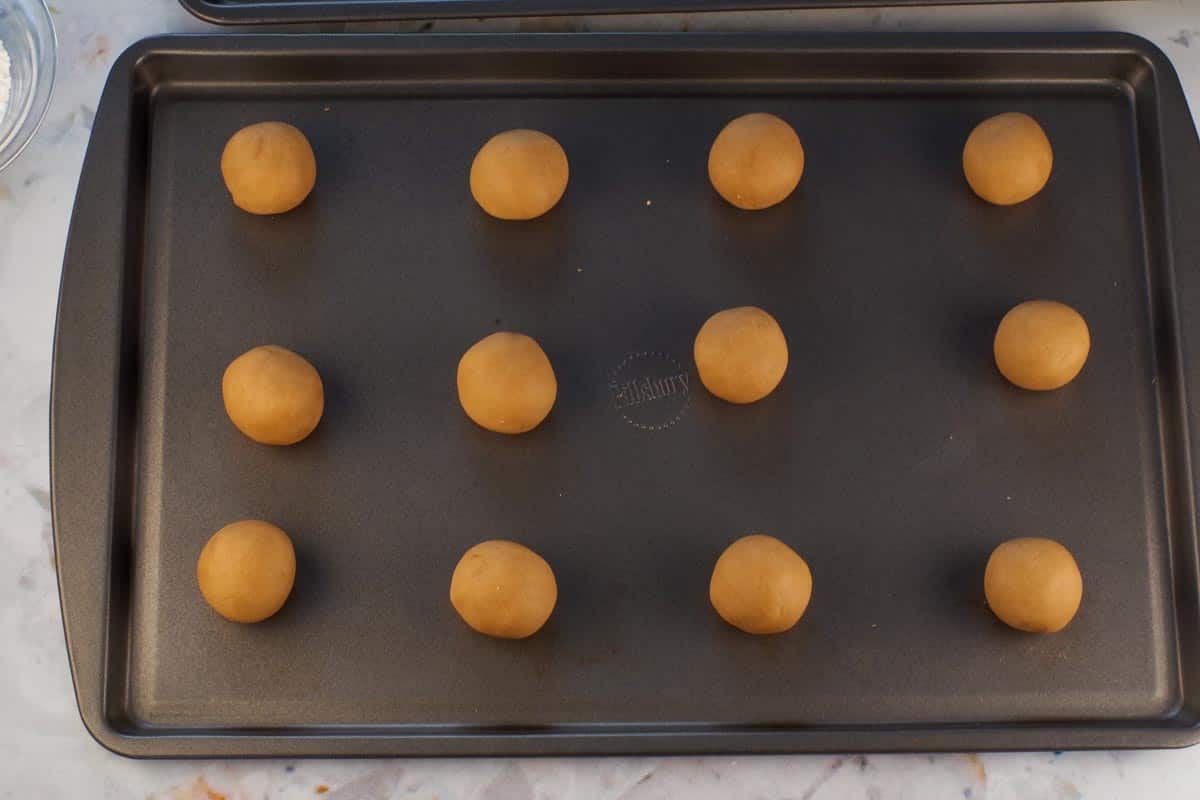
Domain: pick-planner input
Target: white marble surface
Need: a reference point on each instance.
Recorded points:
(44, 751)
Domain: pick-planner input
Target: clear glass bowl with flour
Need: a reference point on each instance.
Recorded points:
(27, 48)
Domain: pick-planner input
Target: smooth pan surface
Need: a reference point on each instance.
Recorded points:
(893, 456)
(251, 12)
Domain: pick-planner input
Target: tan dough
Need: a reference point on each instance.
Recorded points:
(519, 174)
(506, 383)
(741, 354)
(269, 168)
(246, 570)
(760, 585)
(1033, 585)
(1041, 345)
(756, 161)
(273, 395)
(1007, 158)
(503, 589)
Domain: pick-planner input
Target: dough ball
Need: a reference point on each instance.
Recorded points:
(269, 168)
(1007, 158)
(760, 585)
(1041, 344)
(1033, 585)
(741, 354)
(273, 395)
(519, 174)
(503, 589)
(506, 383)
(756, 161)
(246, 570)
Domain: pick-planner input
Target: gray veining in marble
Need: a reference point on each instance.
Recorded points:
(45, 754)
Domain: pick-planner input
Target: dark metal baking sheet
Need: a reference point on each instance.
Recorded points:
(259, 12)
(893, 456)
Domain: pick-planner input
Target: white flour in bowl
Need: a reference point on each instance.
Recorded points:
(5, 80)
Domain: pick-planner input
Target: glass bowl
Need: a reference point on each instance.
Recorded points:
(28, 36)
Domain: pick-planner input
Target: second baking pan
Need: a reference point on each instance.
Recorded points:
(893, 456)
(258, 12)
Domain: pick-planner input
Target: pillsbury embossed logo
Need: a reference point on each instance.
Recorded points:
(650, 390)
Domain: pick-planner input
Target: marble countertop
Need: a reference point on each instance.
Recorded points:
(45, 753)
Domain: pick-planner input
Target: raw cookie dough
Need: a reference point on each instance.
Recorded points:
(519, 174)
(756, 161)
(246, 570)
(1041, 345)
(268, 167)
(506, 383)
(1033, 585)
(760, 585)
(273, 395)
(741, 354)
(1007, 158)
(503, 589)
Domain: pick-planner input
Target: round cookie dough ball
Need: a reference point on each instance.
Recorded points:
(503, 589)
(741, 354)
(1007, 158)
(506, 383)
(269, 168)
(273, 395)
(519, 174)
(1041, 345)
(760, 585)
(756, 161)
(246, 570)
(1033, 585)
